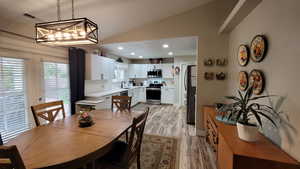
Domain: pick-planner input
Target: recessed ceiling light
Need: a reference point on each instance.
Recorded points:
(165, 46)
(170, 53)
(120, 48)
(140, 56)
(132, 53)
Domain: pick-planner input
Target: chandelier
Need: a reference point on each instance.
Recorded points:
(75, 31)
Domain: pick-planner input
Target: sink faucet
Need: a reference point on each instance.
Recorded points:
(122, 84)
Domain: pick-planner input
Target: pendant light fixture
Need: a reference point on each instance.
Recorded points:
(75, 31)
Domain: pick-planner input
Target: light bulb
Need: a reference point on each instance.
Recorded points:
(82, 33)
(58, 35)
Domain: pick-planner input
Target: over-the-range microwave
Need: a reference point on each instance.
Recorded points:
(156, 73)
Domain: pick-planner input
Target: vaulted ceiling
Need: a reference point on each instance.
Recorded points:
(112, 16)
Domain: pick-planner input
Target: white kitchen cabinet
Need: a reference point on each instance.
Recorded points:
(101, 68)
(106, 104)
(138, 94)
(142, 94)
(167, 95)
(167, 71)
(134, 95)
(138, 71)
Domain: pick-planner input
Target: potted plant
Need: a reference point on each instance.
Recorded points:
(85, 120)
(243, 108)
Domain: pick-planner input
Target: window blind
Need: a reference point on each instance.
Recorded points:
(13, 111)
(56, 83)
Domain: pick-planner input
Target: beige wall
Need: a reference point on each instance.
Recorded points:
(202, 22)
(13, 46)
(279, 21)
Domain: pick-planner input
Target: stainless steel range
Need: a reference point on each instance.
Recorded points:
(153, 93)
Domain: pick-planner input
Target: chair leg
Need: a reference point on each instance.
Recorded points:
(138, 161)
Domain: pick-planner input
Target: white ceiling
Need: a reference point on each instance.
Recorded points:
(184, 46)
(112, 16)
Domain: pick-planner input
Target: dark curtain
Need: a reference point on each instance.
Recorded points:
(77, 75)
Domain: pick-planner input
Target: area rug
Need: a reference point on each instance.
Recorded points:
(158, 152)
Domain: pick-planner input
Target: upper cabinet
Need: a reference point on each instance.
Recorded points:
(138, 71)
(99, 68)
(103, 68)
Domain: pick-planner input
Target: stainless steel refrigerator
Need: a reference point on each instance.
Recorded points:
(191, 87)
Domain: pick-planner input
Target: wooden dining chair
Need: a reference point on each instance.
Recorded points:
(122, 103)
(48, 111)
(123, 154)
(10, 158)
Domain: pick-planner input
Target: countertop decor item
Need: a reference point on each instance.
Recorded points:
(257, 81)
(243, 80)
(243, 55)
(245, 109)
(85, 120)
(259, 48)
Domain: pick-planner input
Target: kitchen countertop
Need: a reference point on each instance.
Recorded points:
(168, 87)
(109, 92)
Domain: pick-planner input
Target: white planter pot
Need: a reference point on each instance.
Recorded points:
(247, 133)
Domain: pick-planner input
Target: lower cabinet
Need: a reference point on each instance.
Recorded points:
(167, 95)
(107, 102)
(142, 94)
(138, 94)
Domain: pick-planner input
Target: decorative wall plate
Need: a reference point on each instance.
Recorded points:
(243, 55)
(243, 80)
(177, 70)
(258, 48)
(257, 81)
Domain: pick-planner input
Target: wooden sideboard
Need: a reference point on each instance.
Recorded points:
(233, 153)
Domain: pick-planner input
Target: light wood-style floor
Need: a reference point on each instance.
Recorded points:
(169, 120)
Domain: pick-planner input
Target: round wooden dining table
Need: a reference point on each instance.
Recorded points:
(63, 144)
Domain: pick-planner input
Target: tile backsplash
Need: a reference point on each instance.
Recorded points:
(92, 86)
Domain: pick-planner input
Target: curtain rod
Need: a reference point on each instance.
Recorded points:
(16, 34)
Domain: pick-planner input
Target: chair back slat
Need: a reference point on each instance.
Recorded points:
(10, 158)
(122, 103)
(136, 136)
(48, 111)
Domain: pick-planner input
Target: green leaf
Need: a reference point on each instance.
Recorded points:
(257, 116)
(233, 98)
(248, 94)
(269, 107)
(239, 115)
(257, 106)
(260, 97)
(241, 96)
(267, 117)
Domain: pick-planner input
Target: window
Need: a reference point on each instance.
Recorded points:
(119, 73)
(13, 109)
(56, 83)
